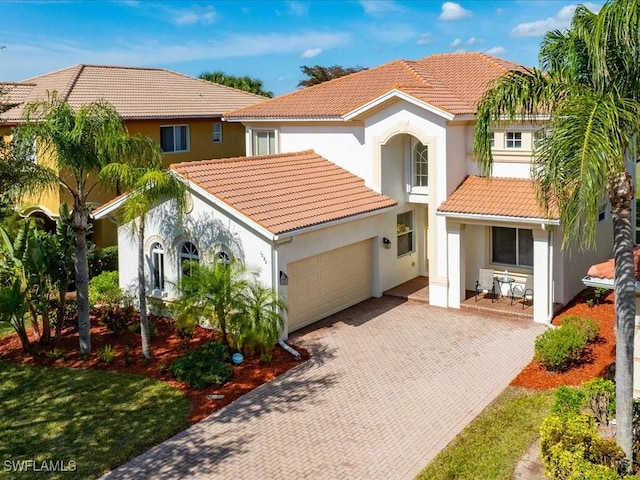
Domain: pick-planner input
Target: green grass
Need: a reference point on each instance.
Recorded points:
(6, 329)
(96, 419)
(490, 447)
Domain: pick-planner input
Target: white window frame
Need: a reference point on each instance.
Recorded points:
(492, 139)
(517, 249)
(405, 233)
(157, 253)
(415, 164)
(602, 213)
(513, 140)
(175, 144)
(187, 256)
(217, 132)
(254, 141)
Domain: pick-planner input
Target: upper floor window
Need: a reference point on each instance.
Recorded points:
(512, 246)
(174, 138)
(492, 139)
(420, 165)
(404, 228)
(189, 257)
(217, 132)
(157, 266)
(264, 142)
(513, 140)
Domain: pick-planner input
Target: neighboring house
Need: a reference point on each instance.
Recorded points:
(182, 113)
(405, 131)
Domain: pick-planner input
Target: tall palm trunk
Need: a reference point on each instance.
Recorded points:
(621, 196)
(80, 219)
(142, 298)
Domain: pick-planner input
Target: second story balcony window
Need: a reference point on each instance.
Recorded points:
(420, 166)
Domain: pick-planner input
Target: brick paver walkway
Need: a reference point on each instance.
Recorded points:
(389, 385)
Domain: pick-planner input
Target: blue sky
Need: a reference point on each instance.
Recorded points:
(269, 40)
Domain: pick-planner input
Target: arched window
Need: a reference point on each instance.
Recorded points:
(157, 266)
(420, 165)
(224, 257)
(188, 257)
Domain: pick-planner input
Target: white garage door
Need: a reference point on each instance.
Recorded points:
(327, 283)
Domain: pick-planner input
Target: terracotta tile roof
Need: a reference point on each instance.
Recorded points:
(136, 93)
(607, 269)
(285, 192)
(504, 197)
(452, 82)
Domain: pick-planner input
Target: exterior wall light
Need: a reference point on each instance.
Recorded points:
(284, 279)
(386, 243)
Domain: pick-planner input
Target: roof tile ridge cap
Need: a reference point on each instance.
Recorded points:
(120, 67)
(201, 80)
(73, 81)
(492, 60)
(48, 74)
(408, 65)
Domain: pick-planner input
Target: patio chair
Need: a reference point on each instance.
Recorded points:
(527, 291)
(486, 283)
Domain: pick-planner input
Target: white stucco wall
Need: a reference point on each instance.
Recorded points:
(207, 227)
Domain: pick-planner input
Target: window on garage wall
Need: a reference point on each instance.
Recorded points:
(404, 228)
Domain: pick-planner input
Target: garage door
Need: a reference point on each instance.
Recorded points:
(327, 283)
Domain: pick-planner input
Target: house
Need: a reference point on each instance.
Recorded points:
(183, 114)
(404, 131)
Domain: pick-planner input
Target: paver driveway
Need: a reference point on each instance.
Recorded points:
(390, 383)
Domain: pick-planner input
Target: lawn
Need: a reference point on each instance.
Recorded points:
(84, 419)
(5, 329)
(490, 446)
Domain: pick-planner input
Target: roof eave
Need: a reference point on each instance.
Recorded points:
(501, 218)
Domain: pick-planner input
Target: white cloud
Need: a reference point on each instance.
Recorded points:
(376, 7)
(298, 9)
(424, 39)
(456, 42)
(559, 21)
(311, 52)
(495, 51)
(453, 11)
(474, 41)
(197, 14)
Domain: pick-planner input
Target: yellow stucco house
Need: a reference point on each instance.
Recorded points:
(183, 114)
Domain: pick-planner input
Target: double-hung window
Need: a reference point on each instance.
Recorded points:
(264, 142)
(513, 140)
(512, 246)
(217, 132)
(404, 228)
(174, 138)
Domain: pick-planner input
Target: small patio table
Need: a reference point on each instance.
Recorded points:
(502, 280)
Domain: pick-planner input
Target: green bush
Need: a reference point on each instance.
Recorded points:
(556, 349)
(105, 289)
(102, 260)
(203, 366)
(106, 354)
(571, 448)
(568, 400)
(115, 317)
(587, 325)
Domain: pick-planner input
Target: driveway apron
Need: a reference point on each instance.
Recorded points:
(390, 383)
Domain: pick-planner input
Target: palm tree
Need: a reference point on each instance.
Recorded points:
(246, 83)
(76, 145)
(215, 293)
(588, 87)
(149, 184)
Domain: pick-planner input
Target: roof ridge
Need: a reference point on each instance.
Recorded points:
(409, 65)
(72, 83)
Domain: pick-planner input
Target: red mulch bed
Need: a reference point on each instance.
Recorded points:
(166, 347)
(599, 358)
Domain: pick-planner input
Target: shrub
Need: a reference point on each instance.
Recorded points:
(571, 448)
(587, 325)
(203, 366)
(558, 348)
(115, 317)
(106, 353)
(568, 400)
(104, 288)
(102, 259)
(601, 398)
(135, 328)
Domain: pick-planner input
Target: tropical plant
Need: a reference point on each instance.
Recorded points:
(247, 84)
(260, 325)
(588, 87)
(318, 74)
(61, 262)
(77, 144)
(203, 366)
(149, 184)
(214, 293)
